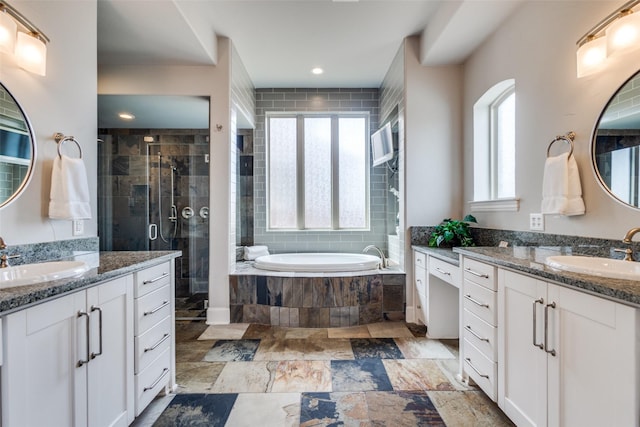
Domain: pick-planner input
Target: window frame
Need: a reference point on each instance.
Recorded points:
(485, 184)
(300, 117)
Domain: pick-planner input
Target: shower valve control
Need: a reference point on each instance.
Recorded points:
(204, 212)
(187, 212)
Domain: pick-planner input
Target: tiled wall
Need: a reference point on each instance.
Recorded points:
(317, 302)
(244, 216)
(128, 197)
(307, 100)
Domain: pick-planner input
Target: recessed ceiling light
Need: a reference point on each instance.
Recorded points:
(317, 70)
(126, 116)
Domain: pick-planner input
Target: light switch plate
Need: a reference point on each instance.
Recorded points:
(77, 227)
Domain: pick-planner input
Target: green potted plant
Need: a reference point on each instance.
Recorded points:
(453, 232)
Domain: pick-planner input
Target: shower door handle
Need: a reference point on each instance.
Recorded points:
(153, 231)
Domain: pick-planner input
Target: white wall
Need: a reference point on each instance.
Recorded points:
(212, 81)
(62, 101)
(536, 46)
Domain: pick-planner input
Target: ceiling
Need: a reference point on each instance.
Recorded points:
(279, 42)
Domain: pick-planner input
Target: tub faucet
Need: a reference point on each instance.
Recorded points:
(383, 259)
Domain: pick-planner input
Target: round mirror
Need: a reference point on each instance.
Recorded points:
(616, 144)
(17, 148)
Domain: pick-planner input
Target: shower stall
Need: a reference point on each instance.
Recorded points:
(153, 194)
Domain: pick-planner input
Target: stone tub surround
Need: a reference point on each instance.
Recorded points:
(109, 266)
(315, 300)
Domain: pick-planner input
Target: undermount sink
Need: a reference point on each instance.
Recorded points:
(40, 272)
(604, 267)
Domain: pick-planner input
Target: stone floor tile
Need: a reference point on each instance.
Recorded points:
(402, 408)
(197, 377)
(389, 330)
(468, 409)
(423, 348)
(246, 377)
(233, 331)
(266, 410)
(350, 332)
(194, 351)
(333, 409)
(381, 348)
(301, 376)
(232, 350)
(359, 375)
(197, 409)
(416, 374)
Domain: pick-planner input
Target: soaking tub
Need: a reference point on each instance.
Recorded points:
(318, 262)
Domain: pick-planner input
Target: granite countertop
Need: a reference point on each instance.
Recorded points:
(104, 266)
(531, 260)
(445, 254)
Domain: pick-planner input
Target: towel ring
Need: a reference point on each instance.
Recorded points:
(61, 139)
(568, 138)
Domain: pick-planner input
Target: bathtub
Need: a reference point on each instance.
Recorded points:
(318, 262)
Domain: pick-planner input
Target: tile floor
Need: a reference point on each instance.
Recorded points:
(384, 374)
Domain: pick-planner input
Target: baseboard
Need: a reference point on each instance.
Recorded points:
(411, 315)
(218, 316)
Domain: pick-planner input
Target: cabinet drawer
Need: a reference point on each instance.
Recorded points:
(420, 279)
(151, 309)
(152, 278)
(481, 370)
(152, 343)
(154, 378)
(448, 272)
(480, 301)
(481, 334)
(480, 273)
(419, 259)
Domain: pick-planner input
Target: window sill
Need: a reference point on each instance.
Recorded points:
(505, 205)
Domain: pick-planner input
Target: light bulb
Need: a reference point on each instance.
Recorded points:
(591, 56)
(31, 53)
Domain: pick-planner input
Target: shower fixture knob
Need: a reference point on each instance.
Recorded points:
(187, 212)
(204, 212)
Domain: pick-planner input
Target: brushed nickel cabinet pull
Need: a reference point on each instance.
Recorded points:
(154, 346)
(441, 271)
(546, 328)
(86, 315)
(475, 301)
(475, 334)
(99, 310)
(536, 302)
(164, 373)
(162, 276)
(475, 369)
(158, 308)
(475, 273)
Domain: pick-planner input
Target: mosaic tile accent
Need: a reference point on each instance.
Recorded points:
(197, 409)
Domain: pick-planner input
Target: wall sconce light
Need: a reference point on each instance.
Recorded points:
(30, 47)
(617, 33)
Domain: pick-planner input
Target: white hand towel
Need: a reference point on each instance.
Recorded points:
(561, 188)
(69, 197)
(253, 252)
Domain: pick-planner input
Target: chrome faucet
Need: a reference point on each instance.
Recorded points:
(628, 252)
(383, 259)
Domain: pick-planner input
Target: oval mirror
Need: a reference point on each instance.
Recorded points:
(17, 148)
(616, 144)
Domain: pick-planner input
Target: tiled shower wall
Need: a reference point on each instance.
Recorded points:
(128, 197)
(317, 100)
(244, 188)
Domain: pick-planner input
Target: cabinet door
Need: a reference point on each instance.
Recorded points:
(41, 381)
(110, 371)
(522, 372)
(593, 376)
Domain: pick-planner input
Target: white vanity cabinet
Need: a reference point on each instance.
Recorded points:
(479, 317)
(566, 358)
(69, 361)
(436, 285)
(154, 333)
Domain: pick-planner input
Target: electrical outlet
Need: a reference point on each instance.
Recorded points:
(77, 227)
(536, 222)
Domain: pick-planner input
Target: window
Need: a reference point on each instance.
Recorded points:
(317, 171)
(494, 148)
